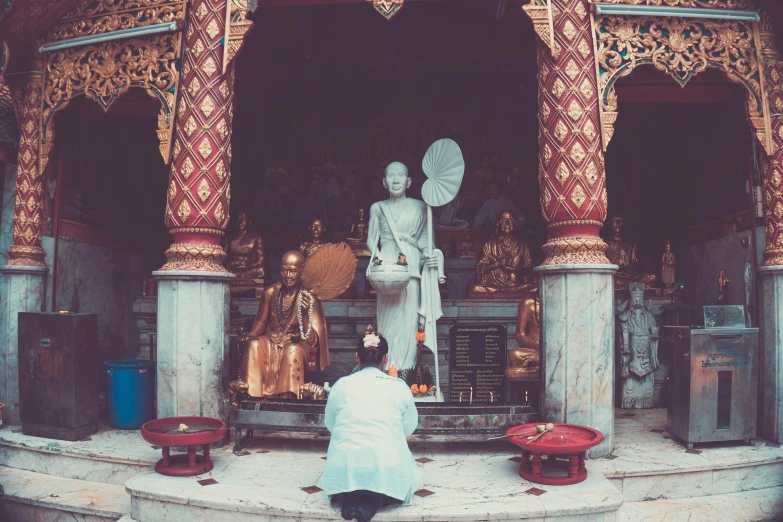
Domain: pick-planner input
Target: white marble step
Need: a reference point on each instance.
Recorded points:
(37, 497)
(748, 506)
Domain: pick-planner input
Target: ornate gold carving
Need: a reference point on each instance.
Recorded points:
(190, 126)
(586, 88)
(101, 16)
(195, 257)
(387, 8)
(103, 72)
(575, 250)
(546, 198)
(569, 30)
(237, 26)
(212, 29)
(584, 49)
(203, 191)
(196, 230)
(207, 106)
(589, 130)
(572, 70)
(542, 14)
(204, 148)
(575, 222)
(591, 174)
(558, 88)
(726, 4)
(561, 132)
(577, 153)
(209, 66)
(681, 48)
(220, 170)
(187, 168)
(562, 174)
(578, 196)
(184, 211)
(547, 155)
(545, 111)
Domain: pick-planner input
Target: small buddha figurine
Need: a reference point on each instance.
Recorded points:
(623, 254)
(245, 258)
(358, 238)
(505, 263)
(466, 249)
(667, 273)
(524, 361)
(317, 229)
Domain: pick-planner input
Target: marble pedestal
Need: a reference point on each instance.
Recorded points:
(577, 339)
(21, 290)
(771, 356)
(192, 344)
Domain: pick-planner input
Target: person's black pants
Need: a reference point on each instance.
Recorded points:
(362, 505)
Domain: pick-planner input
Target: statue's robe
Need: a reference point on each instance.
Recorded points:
(513, 256)
(273, 364)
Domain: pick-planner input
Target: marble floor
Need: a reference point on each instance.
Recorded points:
(464, 478)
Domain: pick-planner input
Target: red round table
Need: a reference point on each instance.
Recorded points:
(162, 432)
(566, 440)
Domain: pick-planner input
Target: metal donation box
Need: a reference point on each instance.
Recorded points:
(713, 393)
(58, 374)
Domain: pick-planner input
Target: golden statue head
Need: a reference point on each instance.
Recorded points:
(395, 179)
(617, 224)
(317, 228)
(291, 268)
(506, 222)
(243, 221)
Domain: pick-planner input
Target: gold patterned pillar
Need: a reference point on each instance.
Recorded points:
(772, 166)
(571, 162)
(25, 250)
(199, 193)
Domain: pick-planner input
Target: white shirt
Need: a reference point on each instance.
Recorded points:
(370, 416)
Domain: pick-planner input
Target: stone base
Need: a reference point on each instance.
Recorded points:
(501, 295)
(771, 354)
(192, 351)
(577, 348)
(21, 290)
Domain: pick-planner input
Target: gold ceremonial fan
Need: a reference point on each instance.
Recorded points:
(329, 271)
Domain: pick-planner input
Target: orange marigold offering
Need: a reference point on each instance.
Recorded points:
(421, 336)
(414, 389)
(422, 388)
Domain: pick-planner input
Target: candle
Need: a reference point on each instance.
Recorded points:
(491, 397)
(471, 395)
(460, 396)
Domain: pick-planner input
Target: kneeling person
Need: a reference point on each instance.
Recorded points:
(370, 416)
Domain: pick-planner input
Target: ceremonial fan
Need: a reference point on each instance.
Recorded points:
(329, 271)
(444, 167)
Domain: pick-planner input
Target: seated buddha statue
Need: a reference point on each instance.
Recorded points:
(358, 238)
(317, 229)
(504, 266)
(245, 258)
(283, 343)
(523, 362)
(467, 250)
(623, 254)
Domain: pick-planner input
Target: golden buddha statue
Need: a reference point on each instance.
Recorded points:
(623, 254)
(245, 258)
(467, 250)
(358, 238)
(288, 337)
(524, 361)
(317, 230)
(667, 272)
(505, 264)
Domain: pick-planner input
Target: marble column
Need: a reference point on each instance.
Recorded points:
(21, 290)
(577, 347)
(576, 278)
(193, 295)
(771, 356)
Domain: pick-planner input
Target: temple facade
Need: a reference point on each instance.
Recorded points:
(188, 101)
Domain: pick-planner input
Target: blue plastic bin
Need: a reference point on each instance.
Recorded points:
(131, 390)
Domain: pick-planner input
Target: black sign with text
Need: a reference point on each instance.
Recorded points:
(477, 361)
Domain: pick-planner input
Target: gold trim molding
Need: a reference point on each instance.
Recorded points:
(711, 4)
(387, 8)
(681, 48)
(237, 26)
(542, 13)
(575, 251)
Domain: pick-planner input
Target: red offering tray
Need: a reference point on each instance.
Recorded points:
(202, 431)
(569, 440)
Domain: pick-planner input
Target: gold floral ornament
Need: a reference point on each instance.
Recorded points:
(387, 8)
(682, 48)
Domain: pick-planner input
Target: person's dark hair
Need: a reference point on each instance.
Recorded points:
(372, 355)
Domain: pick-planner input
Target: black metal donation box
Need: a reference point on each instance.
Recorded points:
(58, 374)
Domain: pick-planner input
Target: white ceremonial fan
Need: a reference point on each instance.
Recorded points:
(444, 167)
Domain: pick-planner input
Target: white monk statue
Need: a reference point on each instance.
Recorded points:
(399, 226)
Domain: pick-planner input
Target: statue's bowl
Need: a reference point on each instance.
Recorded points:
(389, 279)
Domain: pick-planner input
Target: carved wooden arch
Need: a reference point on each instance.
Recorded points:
(681, 48)
(104, 72)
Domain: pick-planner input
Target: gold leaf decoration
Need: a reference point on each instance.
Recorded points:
(203, 191)
(578, 196)
(205, 148)
(184, 211)
(187, 168)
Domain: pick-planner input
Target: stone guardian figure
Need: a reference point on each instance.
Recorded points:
(638, 348)
(399, 226)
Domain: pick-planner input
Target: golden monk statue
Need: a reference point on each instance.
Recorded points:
(246, 258)
(317, 229)
(505, 264)
(524, 361)
(623, 254)
(667, 273)
(358, 239)
(288, 336)
(467, 250)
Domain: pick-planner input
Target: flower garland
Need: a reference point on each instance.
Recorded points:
(309, 314)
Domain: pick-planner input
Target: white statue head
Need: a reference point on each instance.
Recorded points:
(395, 179)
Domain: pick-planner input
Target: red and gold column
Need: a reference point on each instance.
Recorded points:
(26, 250)
(199, 193)
(571, 162)
(772, 167)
